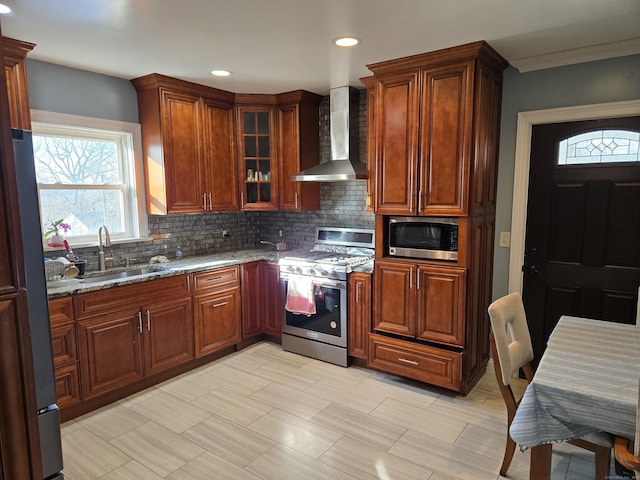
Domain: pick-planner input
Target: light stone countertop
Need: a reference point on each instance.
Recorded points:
(62, 288)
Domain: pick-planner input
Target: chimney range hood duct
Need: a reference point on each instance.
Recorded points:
(343, 123)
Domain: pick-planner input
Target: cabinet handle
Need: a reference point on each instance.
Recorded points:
(418, 279)
(411, 278)
(140, 321)
(296, 197)
(204, 201)
(358, 293)
(410, 362)
(148, 321)
(216, 305)
(241, 199)
(210, 202)
(419, 200)
(212, 279)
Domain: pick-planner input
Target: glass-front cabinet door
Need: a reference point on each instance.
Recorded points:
(257, 156)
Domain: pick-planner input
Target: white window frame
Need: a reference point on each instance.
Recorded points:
(47, 122)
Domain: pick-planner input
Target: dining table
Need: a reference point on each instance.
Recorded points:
(586, 382)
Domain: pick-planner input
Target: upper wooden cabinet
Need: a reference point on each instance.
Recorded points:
(15, 53)
(370, 84)
(298, 149)
(436, 131)
(188, 146)
(257, 166)
(278, 136)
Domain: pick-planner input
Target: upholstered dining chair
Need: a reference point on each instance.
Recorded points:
(626, 452)
(512, 350)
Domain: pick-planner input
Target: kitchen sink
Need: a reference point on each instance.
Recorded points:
(104, 276)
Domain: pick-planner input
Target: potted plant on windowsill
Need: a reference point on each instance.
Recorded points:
(55, 231)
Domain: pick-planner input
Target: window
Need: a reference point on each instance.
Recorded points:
(602, 146)
(89, 174)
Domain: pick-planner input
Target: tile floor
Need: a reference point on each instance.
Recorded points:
(263, 413)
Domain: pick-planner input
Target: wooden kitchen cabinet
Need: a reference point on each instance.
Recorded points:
(251, 300)
(429, 129)
(65, 351)
(130, 332)
(298, 149)
(217, 310)
(420, 301)
(15, 53)
(369, 83)
(110, 351)
(436, 133)
(167, 334)
(420, 362)
(257, 166)
(359, 326)
(261, 305)
(188, 146)
(272, 301)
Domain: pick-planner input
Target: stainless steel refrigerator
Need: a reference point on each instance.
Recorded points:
(47, 410)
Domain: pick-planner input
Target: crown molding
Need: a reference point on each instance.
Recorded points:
(578, 55)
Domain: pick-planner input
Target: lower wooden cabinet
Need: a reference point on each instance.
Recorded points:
(421, 307)
(272, 302)
(168, 337)
(110, 351)
(251, 279)
(359, 324)
(420, 362)
(261, 301)
(217, 311)
(420, 301)
(65, 351)
(122, 340)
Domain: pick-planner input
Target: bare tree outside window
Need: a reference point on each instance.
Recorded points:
(81, 180)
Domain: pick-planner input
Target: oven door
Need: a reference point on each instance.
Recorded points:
(329, 323)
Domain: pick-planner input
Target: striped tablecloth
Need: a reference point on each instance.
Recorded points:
(587, 381)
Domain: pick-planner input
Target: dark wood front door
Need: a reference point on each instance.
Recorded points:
(582, 246)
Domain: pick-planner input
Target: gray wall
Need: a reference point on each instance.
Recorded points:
(589, 83)
(54, 88)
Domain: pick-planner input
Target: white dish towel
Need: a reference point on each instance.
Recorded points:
(300, 298)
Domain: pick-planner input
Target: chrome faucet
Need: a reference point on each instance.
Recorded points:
(102, 264)
(279, 246)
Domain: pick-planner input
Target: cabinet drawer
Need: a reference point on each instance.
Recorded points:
(64, 345)
(60, 311)
(420, 362)
(119, 298)
(216, 278)
(67, 385)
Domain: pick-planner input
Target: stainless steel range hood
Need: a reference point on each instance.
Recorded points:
(343, 124)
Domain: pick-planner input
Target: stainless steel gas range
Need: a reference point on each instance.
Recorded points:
(314, 285)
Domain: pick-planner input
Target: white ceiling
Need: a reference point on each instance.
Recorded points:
(273, 46)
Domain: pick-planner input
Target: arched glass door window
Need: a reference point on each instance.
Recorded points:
(601, 146)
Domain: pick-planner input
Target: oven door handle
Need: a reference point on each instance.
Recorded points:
(322, 282)
(341, 286)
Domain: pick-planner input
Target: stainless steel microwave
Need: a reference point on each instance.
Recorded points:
(424, 237)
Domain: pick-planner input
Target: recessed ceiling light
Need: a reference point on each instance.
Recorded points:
(347, 41)
(4, 9)
(220, 73)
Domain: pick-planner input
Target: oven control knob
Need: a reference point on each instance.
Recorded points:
(324, 273)
(290, 269)
(311, 272)
(333, 274)
(298, 270)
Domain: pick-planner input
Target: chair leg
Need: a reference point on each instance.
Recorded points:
(509, 450)
(603, 462)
